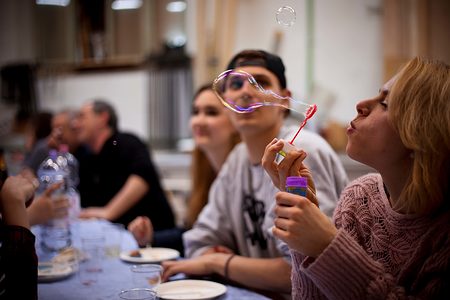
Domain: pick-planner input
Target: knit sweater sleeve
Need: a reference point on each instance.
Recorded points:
(346, 270)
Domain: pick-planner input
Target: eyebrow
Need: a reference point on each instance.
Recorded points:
(261, 76)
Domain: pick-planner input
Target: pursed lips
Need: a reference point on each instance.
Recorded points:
(351, 128)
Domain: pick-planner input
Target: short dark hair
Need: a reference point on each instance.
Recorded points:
(100, 106)
(261, 58)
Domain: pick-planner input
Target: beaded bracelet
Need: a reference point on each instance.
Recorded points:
(227, 263)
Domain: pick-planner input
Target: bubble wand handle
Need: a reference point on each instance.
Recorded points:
(311, 111)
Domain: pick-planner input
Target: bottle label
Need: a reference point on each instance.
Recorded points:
(301, 191)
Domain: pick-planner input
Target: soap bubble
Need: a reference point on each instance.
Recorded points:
(240, 92)
(286, 16)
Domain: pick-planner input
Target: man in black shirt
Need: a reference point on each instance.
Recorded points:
(118, 181)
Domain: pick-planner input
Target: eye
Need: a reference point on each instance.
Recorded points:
(263, 83)
(384, 97)
(194, 111)
(211, 111)
(236, 83)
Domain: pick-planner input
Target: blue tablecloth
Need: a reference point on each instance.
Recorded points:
(115, 276)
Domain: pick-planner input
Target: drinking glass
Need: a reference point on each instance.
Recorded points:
(138, 294)
(90, 261)
(113, 239)
(146, 275)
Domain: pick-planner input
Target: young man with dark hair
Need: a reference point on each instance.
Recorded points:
(231, 236)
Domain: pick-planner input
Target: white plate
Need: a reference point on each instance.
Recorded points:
(190, 289)
(150, 255)
(49, 271)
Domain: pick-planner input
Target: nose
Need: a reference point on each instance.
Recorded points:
(248, 92)
(198, 119)
(363, 107)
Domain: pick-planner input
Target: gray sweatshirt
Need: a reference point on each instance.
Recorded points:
(240, 219)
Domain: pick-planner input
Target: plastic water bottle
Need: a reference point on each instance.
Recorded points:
(55, 234)
(72, 183)
(72, 165)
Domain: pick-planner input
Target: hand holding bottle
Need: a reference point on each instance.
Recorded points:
(301, 225)
(47, 206)
(16, 193)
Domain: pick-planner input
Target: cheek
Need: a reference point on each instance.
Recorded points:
(222, 126)
(192, 122)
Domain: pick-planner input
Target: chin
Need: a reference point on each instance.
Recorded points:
(202, 142)
(352, 154)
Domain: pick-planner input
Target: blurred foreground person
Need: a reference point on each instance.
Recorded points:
(18, 260)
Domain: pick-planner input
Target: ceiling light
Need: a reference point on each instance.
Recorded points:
(126, 4)
(53, 2)
(176, 6)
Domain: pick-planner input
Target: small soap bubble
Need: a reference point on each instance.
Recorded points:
(286, 16)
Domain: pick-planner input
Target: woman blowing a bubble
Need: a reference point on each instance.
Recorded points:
(390, 237)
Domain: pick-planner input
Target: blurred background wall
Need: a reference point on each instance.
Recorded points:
(148, 61)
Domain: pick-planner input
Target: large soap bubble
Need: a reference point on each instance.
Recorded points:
(240, 92)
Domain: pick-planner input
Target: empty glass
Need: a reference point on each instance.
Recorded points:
(146, 275)
(138, 294)
(113, 239)
(90, 261)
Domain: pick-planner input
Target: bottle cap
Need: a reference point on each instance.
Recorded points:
(296, 181)
(52, 153)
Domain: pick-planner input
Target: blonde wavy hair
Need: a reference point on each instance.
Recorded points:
(419, 109)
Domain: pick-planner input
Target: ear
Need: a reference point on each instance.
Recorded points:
(104, 116)
(286, 93)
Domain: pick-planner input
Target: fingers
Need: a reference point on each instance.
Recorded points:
(85, 214)
(49, 191)
(282, 223)
(280, 234)
(218, 249)
(298, 166)
(170, 268)
(271, 151)
(286, 199)
(268, 160)
(142, 229)
(291, 165)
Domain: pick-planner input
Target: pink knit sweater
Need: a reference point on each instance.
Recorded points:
(377, 253)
